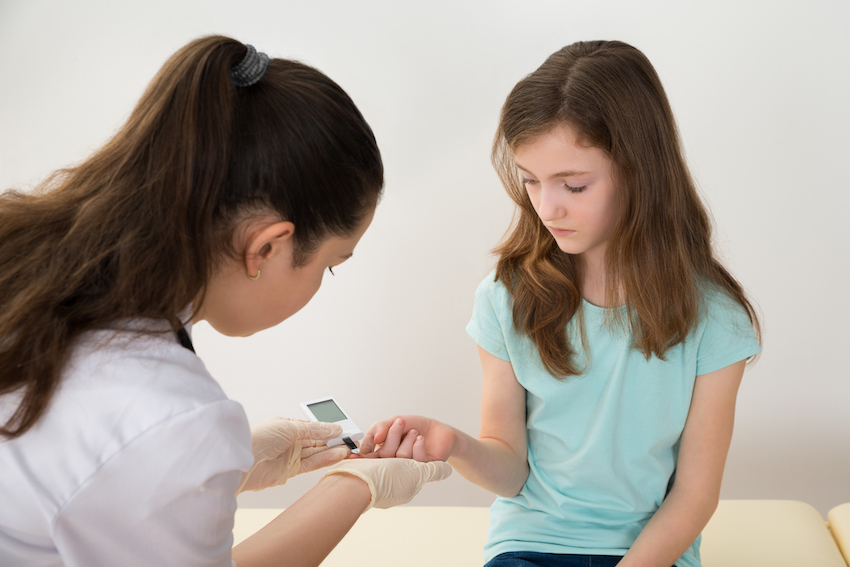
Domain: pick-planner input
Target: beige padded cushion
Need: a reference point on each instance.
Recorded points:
(409, 536)
(751, 533)
(778, 533)
(839, 523)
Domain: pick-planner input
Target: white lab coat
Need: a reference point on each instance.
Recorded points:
(136, 462)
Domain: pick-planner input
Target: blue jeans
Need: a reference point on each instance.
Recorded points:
(535, 559)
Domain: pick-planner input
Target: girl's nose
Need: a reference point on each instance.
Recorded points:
(550, 207)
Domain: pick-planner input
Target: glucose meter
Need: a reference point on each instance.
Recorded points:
(328, 410)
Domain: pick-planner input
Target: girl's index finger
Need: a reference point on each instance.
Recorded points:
(393, 438)
(376, 435)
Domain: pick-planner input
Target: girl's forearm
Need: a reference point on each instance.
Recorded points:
(491, 463)
(670, 531)
(498, 459)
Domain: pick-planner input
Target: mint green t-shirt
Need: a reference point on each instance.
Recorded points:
(602, 446)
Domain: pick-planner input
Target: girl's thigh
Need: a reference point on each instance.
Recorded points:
(534, 559)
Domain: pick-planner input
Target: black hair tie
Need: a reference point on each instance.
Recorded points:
(250, 70)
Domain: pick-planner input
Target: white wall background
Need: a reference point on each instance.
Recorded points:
(760, 89)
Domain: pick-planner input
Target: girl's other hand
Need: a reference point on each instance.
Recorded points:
(411, 436)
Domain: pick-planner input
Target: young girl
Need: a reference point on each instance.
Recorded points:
(611, 338)
(236, 182)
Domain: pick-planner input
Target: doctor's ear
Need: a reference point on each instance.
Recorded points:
(265, 240)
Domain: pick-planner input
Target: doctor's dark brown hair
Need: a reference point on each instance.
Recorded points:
(659, 257)
(138, 229)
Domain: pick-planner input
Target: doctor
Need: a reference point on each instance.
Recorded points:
(235, 183)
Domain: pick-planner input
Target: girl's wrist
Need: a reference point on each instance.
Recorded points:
(461, 447)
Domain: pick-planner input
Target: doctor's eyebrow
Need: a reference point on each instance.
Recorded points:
(567, 173)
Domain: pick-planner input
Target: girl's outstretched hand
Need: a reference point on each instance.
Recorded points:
(411, 437)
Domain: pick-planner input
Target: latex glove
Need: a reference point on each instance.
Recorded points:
(393, 481)
(285, 447)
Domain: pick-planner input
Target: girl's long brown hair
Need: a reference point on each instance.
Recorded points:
(659, 258)
(138, 229)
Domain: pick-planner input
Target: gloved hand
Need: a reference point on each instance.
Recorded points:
(393, 481)
(285, 447)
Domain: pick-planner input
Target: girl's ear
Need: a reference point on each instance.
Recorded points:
(265, 241)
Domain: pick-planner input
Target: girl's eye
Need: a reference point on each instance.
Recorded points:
(526, 181)
(572, 189)
(331, 270)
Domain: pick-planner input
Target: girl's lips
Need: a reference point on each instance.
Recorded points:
(560, 231)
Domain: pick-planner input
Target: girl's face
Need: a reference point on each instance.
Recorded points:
(572, 190)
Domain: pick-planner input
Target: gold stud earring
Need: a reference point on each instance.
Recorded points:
(254, 277)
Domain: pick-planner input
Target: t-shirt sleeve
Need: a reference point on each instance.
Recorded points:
(726, 335)
(488, 317)
(167, 498)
